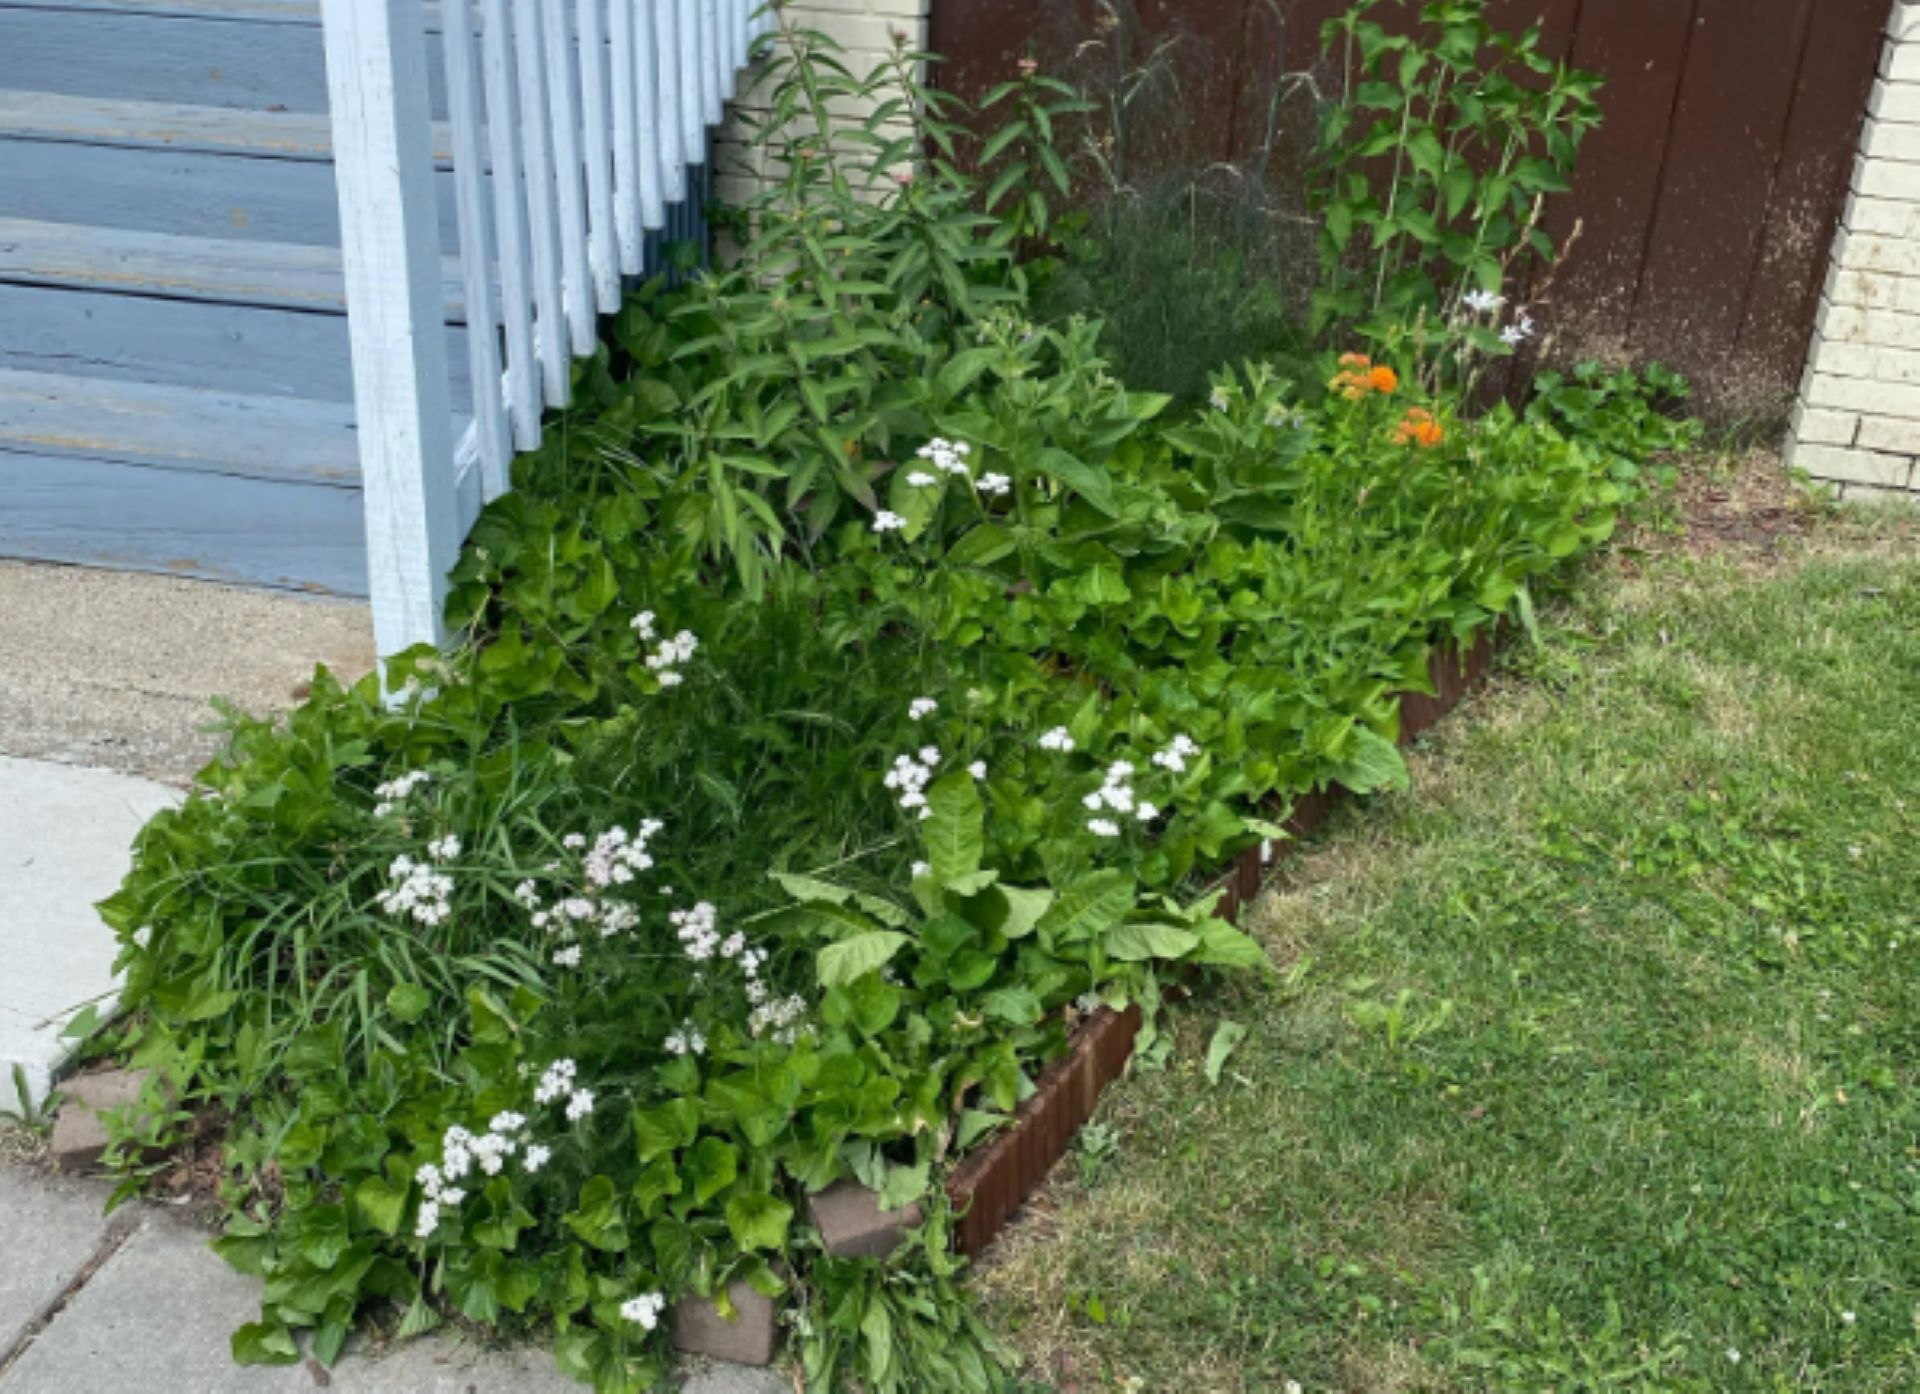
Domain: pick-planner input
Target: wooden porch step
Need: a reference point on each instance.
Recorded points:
(197, 59)
(273, 135)
(176, 429)
(257, 11)
(280, 275)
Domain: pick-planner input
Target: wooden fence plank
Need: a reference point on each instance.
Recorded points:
(569, 172)
(627, 197)
(646, 95)
(1617, 184)
(1729, 121)
(693, 125)
(510, 223)
(596, 116)
(377, 84)
(543, 214)
(477, 255)
(667, 82)
(1830, 98)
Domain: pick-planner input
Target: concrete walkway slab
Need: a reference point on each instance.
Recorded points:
(157, 1317)
(117, 670)
(48, 1234)
(65, 840)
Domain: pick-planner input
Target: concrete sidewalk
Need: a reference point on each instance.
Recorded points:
(105, 681)
(106, 684)
(136, 1303)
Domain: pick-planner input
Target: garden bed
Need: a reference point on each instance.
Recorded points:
(989, 1187)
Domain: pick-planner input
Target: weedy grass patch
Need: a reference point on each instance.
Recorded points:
(1591, 1061)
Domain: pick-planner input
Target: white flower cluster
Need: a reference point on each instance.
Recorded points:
(1484, 303)
(460, 1153)
(947, 456)
(886, 520)
(1174, 758)
(666, 659)
(644, 1311)
(696, 931)
(615, 858)
(1518, 332)
(1116, 794)
(1057, 739)
(1281, 418)
(1220, 398)
(417, 890)
(910, 776)
(558, 1083)
(920, 479)
(618, 856)
(688, 1040)
(781, 1015)
(978, 769)
(444, 849)
(995, 485)
(921, 707)
(398, 790)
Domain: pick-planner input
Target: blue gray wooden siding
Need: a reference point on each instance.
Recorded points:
(175, 389)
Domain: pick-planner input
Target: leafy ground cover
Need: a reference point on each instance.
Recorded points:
(858, 686)
(1591, 1062)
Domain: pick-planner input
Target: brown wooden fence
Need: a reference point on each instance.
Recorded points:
(1708, 200)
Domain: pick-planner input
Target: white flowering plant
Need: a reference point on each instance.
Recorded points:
(862, 685)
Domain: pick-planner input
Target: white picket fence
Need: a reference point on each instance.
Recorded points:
(577, 126)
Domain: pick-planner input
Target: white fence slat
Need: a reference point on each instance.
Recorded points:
(603, 251)
(715, 56)
(627, 198)
(510, 222)
(563, 121)
(707, 56)
(667, 78)
(653, 204)
(543, 215)
(476, 249)
(693, 125)
(390, 255)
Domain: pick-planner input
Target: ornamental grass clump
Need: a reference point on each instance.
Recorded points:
(858, 687)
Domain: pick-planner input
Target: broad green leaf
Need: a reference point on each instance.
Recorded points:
(1090, 906)
(1091, 482)
(952, 833)
(904, 1186)
(1136, 943)
(759, 1221)
(1225, 1037)
(712, 1164)
(408, 1002)
(1223, 946)
(665, 1128)
(842, 963)
(811, 890)
(1375, 763)
(264, 1343)
(380, 1203)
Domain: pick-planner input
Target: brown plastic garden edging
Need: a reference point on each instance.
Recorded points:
(993, 1183)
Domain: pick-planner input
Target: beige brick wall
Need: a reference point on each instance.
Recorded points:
(1858, 422)
(865, 29)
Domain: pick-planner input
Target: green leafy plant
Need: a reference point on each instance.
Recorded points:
(858, 688)
(1437, 158)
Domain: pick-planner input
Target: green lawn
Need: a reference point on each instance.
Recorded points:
(1591, 1063)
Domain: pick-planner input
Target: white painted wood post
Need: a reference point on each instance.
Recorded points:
(390, 251)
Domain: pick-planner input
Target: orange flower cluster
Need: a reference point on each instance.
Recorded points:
(1419, 428)
(1360, 375)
